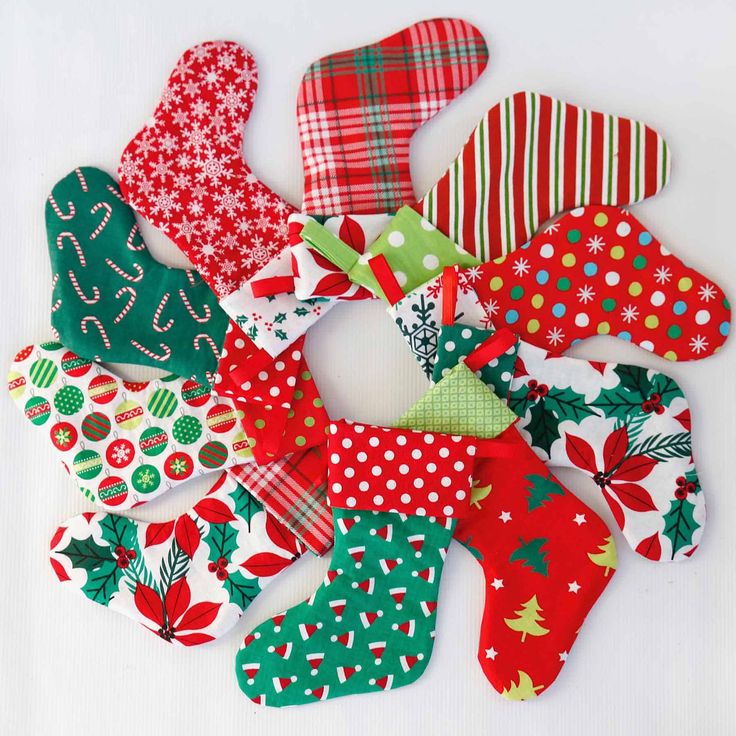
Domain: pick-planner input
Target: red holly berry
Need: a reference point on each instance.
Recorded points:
(222, 562)
(680, 493)
(690, 487)
(119, 550)
(647, 407)
(221, 574)
(542, 389)
(132, 554)
(212, 567)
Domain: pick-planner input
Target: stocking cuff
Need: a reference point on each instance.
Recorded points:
(399, 470)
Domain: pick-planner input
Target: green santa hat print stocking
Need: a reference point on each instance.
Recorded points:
(396, 495)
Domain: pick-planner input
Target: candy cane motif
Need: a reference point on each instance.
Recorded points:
(105, 219)
(115, 192)
(87, 300)
(209, 341)
(59, 213)
(191, 276)
(60, 245)
(82, 180)
(129, 305)
(129, 242)
(157, 315)
(123, 274)
(154, 356)
(55, 306)
(190, 309)
(98, 325)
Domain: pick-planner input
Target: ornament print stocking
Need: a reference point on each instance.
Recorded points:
(626, 427)
(187, 580)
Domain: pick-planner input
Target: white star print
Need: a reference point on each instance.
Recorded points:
(662, 275)
(563, 656)
(521, 267)
(629, 313)
(579, 519)
(585, 294)
(491, 653)
(707, 292)
(573, 587)
(505, 516)
(497, 583)
(698, 344)
(595, 244)
(555, 336)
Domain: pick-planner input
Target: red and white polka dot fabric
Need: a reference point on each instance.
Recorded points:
(399, 470)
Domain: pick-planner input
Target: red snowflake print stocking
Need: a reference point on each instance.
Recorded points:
(185, 173)
(358, 109)
(187, 580)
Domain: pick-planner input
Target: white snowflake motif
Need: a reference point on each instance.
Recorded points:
(555, 336)
(521, 267)
(586, 294)
(707, 292)
(120, 454)
(698, 344)
(629, 314)
(553, 228)
(186, 229)
(595, 244)
(491, 307)
(472, 274)
(662, 275)
(146, 478)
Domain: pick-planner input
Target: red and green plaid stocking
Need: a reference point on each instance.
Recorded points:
(358, 109)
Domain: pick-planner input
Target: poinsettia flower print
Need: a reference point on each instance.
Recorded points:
(174, 617)
(618, 477)
(266, 564)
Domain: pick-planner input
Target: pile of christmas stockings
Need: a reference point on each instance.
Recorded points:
(524, 247)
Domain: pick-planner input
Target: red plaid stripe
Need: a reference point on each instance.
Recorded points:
(358, 109)
(294, 490)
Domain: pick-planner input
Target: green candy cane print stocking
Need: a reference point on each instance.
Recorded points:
(627, 427)
(187, 580)
(111, 300)
(395, 495)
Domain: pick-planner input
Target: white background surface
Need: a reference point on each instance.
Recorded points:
(77, 80)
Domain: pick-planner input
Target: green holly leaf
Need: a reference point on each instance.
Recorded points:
(543, 426)
(634, 379)
(301, 312)
(222, 540)
(618, 403)
(87, 554)
(531, 555)
(102, 583)
(568, 404)
(541, 490)
(281, 334)
(279, 318)
(117, 530)
(241, 319)
(246, 504)
(241, 589)
(680, 525)
(252, 332)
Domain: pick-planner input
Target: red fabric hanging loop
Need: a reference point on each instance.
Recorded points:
(497, 344)
(449, 295)
(272, 286)
(386, 279)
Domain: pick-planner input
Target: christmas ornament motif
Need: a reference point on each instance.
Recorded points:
(357, 110)
(532, 157)
(411, 246)
(626, 427)
(370, 626)
(185, 173)
(597, 270)
(147, 313)
(187, 580)
(127, 452)
(316, 276)
(509, 483)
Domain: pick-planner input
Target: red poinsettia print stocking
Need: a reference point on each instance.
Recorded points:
(187, 580)
(546, 558)
(185, 173)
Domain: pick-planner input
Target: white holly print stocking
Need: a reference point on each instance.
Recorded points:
(187, 580)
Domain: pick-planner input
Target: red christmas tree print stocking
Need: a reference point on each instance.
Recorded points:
(184, 171)
(546, 558)
(532, 157)
(357, 110)
(187, 580)
(598, 270)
